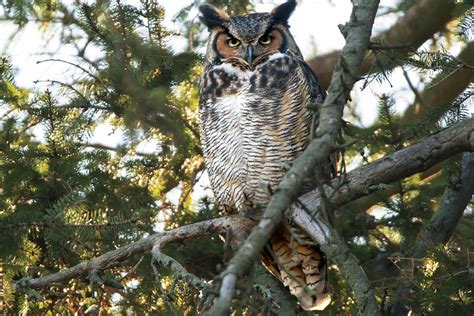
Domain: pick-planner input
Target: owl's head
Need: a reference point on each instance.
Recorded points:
(250, 39)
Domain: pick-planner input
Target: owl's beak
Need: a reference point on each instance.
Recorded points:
(250, 55)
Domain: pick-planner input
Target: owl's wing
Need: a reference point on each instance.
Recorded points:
(329, 168)
(300, 264)
(315, 87)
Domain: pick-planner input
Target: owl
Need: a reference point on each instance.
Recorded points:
(254, 120)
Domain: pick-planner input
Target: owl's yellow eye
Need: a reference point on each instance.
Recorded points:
(265, 40)
(233, 42)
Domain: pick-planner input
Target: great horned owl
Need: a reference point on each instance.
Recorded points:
(253, 119)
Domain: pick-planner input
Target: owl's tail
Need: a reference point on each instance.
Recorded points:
(301, 267)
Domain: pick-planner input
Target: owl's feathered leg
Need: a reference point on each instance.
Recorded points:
(302, 267)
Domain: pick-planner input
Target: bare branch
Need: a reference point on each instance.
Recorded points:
(398, 165)
(357, 33)
(114, 258)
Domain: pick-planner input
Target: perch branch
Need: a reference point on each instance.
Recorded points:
(357, 33)
(113, 258)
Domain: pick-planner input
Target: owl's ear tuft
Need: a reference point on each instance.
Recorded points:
(212, 17)
(283, 12)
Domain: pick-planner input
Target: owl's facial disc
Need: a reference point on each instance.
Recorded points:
(247, 40)
(249, 53)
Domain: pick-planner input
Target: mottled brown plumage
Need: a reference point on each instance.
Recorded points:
(254, 120)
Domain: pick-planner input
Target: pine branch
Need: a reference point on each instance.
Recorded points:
(410, 31)
(357, 33)
(447, 89)
(439, 230)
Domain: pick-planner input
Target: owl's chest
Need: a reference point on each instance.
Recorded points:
(251, 124)
(229, 92)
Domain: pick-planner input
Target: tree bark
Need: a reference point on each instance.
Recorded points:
(113, 258)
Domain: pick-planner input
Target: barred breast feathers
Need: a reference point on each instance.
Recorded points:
(243, 115)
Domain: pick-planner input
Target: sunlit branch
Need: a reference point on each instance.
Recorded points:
(114, 258)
